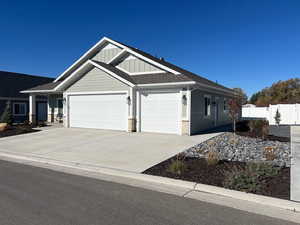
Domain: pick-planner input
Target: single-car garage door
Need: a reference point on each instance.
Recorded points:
(106, 111)
(160, 112)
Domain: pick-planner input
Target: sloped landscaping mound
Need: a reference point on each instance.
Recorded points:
(264, 180)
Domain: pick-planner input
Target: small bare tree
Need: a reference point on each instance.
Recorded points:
(234, 111)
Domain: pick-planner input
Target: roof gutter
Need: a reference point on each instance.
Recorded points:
(167, 84)
(38, 91)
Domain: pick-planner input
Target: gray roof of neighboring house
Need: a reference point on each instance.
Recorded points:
(47, 86)
(12, 83)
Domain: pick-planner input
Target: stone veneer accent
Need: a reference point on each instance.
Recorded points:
(32, 119)
(132, 125)
(185, 127)
(50, 118)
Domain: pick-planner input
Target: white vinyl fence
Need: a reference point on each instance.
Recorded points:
(290, 113)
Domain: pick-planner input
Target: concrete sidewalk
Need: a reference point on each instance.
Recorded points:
(295, 167)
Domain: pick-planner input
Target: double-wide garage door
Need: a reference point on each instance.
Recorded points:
(106, 111)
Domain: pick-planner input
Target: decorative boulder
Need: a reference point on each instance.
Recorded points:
(3, 126)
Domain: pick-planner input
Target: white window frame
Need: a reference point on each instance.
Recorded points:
(20, 103)
(225, 105)
(209, 108)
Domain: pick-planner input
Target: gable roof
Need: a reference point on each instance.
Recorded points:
(174, 74)
(12, 83)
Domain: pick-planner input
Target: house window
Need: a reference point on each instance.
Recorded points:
(19, 109)
(207, 106)
(225, 105)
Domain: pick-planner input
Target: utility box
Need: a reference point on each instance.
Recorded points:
(295, 163)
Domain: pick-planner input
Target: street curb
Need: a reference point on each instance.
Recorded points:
(185, 186)
(265, 200)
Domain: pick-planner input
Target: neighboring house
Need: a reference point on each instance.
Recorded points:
(10, 86)
(115, 86)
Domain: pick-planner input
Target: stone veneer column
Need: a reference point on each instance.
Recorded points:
(186, 113)
(185, 127)
(32, 109)
(131, 125)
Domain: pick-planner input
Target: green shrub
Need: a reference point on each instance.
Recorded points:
(250, 178)
(176, 167)
(259, 127)
(7, 116)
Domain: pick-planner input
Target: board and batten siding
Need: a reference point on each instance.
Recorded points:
(105, 55)
(199, 121)
(135, 65)
(97, 80)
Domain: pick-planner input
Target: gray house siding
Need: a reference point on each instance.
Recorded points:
(97, 80)
(137, 65)
(199, 121)
(106, 55)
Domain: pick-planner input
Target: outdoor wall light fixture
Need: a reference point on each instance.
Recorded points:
(128, 100)
(64, 100)
(184, 99)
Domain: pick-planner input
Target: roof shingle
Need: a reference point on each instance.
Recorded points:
(12, 83)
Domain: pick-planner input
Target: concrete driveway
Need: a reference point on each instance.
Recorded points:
(133, 152)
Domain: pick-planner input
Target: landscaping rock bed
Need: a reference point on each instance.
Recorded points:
(17, 130)
(232, 147)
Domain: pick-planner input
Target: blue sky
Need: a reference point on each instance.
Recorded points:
(247, 44)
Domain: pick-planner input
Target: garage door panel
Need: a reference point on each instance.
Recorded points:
(160, 112)
(98, 111)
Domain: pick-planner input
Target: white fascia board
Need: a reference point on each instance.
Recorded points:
(96, 92)
(215, 88)
(148, 72)
(37, 91)
(72, 75)
(99, 43)
(121, 53)
(167, 84)
(111, 73)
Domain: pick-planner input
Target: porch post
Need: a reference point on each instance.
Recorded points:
(32, 109)
(50, 114)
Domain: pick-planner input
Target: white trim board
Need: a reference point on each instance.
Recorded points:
(167, 84)
(91, 63)
(140, 73)
(112, 74)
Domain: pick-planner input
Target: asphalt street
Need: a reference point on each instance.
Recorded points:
(37, 196)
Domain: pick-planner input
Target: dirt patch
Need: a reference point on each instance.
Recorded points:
(197, 170)
(17, 130)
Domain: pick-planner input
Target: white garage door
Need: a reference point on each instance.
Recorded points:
(98, 111)
(160, 112)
